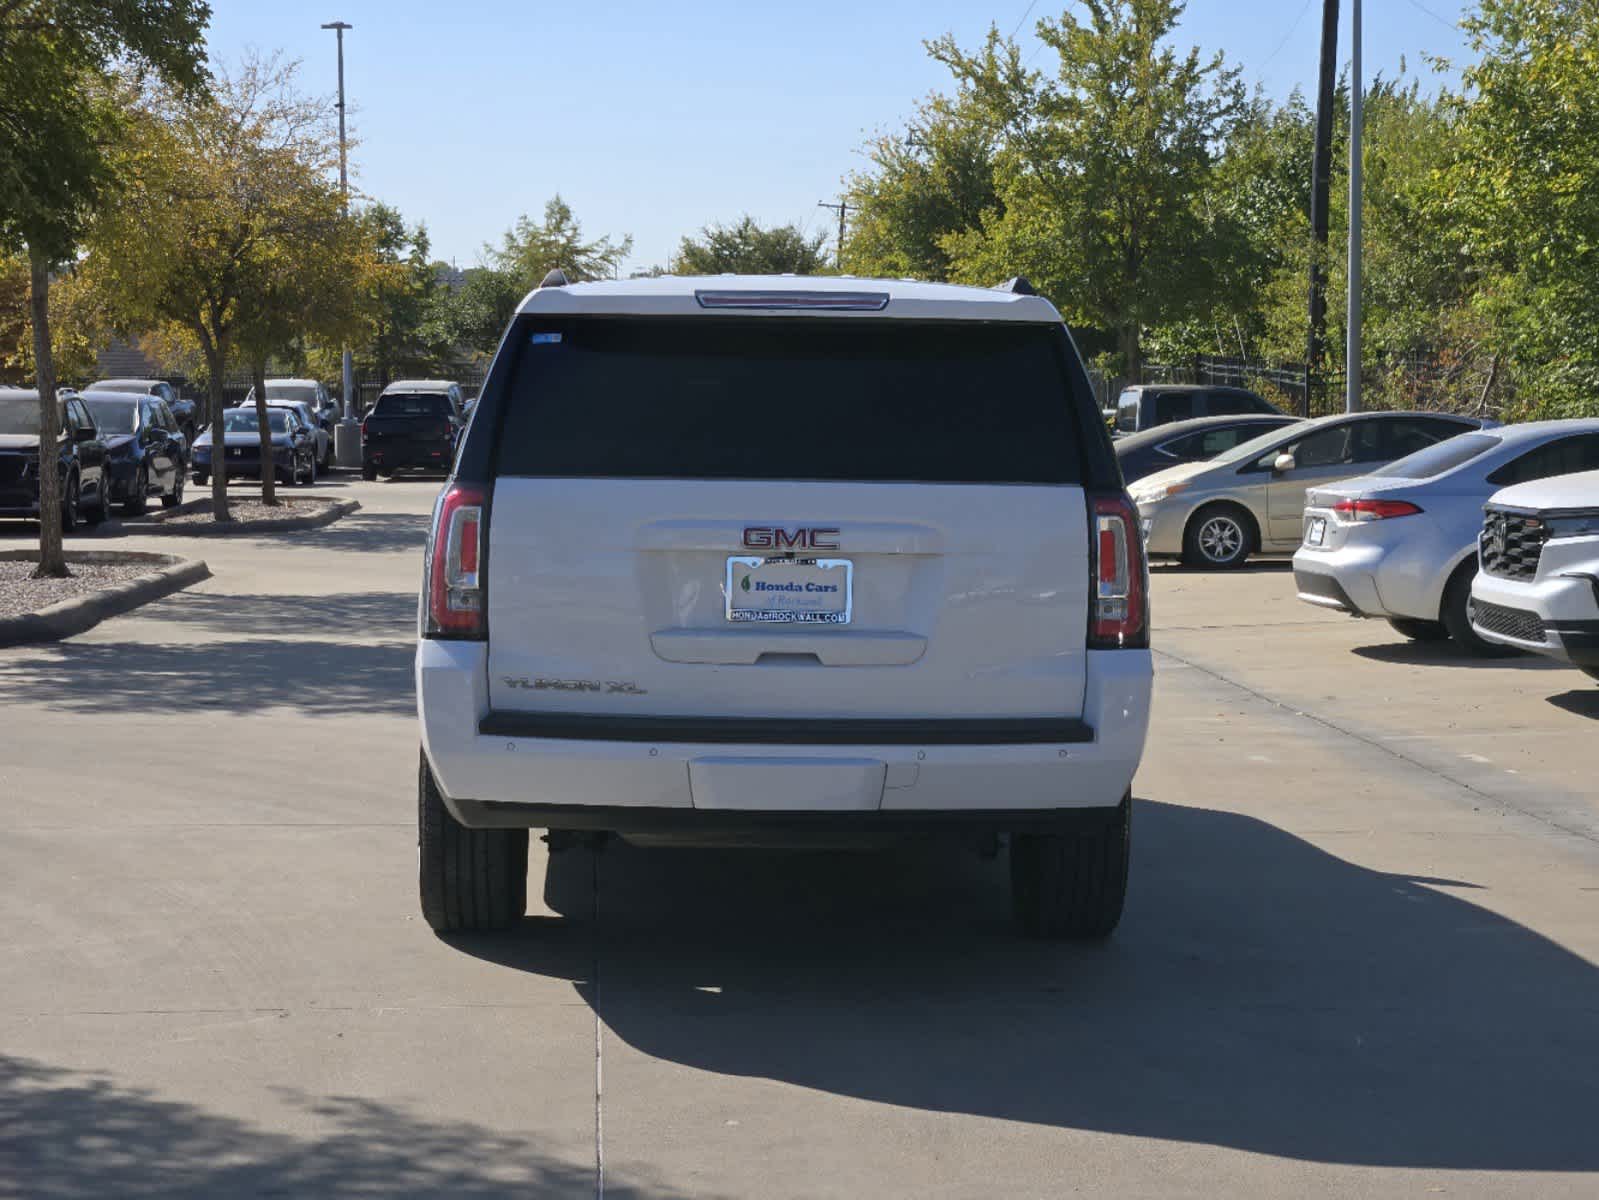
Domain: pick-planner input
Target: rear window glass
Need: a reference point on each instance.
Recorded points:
(781, 398)
(421, 405)
(1173, 406)
(1440, 457)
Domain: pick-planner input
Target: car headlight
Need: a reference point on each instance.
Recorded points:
(1575, 525)
(1156, 494)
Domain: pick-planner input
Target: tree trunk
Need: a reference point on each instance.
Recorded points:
(269, 481)
(215, 361)
(1132, 352)
(52, 560)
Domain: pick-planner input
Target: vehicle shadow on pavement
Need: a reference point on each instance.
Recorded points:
(71, 1133)
(1583, 702)
(370, 533)
(1447, 654)
(1261, 994)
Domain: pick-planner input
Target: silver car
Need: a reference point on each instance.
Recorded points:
(1400, 543)
(1252, 498)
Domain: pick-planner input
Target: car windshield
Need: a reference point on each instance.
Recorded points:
(1255, 447)
(291, 391)
(116, 385)
(113, 416)
(19, 416)
(1440, 457)
(242, 420)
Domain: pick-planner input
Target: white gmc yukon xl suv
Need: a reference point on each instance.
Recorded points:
(772, 558)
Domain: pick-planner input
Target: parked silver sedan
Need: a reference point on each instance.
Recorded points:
(1401, 543)
(1252, 498)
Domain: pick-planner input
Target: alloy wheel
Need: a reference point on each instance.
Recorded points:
(1221, 539)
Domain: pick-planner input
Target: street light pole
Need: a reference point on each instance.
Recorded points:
(346, 439)
(1356, 130)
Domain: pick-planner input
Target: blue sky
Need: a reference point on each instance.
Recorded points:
(655, 118)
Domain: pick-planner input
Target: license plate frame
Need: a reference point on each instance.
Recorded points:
(1316, 531)
(829, 570)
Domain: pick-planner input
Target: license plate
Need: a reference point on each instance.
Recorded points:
(1317, 532)
(235, 453)
(811, 591)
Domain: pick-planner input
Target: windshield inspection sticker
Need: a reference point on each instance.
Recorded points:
(544, 339)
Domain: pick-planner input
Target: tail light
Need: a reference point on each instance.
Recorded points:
(363, 431)
(1374, 510)
(1119, 617)
(455, 566)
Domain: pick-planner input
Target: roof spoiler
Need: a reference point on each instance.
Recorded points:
(1017, 284)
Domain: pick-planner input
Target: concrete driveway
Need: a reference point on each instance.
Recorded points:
(1358, 957)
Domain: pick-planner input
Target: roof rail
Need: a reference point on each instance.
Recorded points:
(556, 278)
(1019, 285)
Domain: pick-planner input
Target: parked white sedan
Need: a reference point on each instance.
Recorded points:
(1401, 542)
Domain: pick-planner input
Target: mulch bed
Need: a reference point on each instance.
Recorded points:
(198, 512)
(21, 593)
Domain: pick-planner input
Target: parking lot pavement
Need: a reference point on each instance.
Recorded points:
(1358, 956)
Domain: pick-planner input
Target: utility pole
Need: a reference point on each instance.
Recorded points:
(1320, 188)
(1356, 131)
(842, 208)
(346, 438)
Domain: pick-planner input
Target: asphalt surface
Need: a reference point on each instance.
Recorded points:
(1358, 957)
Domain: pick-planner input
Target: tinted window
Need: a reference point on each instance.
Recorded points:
(415, 405)
(77, 416)
(1331, 447)
(19, 415)
(791, 399)
(1230, 404)
(1406, 435)
(1440, 457)
(1209, 442)
(164, 417)
(1562, 457)
(1173, 406)
(242, 420)
(112, 416)
(1127, 411)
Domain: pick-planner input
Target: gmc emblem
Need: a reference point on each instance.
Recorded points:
(770, 537)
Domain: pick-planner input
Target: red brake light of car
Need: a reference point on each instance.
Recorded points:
(1119, 616)
(1374, 510)
(455, 576)
(363, 430)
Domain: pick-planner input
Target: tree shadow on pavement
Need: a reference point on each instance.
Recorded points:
(370, 533)
(75, 1134)
(224, 676)
(360, 614)
(1261, 994)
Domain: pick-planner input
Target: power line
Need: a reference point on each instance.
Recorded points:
(1286, 36)
(1021, 19)
(1419, 7)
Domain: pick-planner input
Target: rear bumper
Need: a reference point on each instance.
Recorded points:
(913, 773)
(400, 455)
(1344, 579)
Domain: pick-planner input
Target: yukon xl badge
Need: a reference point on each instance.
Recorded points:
(772, 537)
(609, 687)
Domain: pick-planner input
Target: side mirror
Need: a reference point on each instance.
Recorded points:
(1283, 462)
(85, 434)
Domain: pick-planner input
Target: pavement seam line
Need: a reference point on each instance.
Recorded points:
(1373, 743)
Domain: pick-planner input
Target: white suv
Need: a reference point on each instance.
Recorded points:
(779, 557)
(1538, 588)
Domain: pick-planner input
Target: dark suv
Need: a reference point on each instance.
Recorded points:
(80, 459)
(410, 429)
(1144, 406)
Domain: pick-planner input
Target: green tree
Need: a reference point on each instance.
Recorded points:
(218, 200)
(531, 249)
(746, 248)
(56, 123)
(474, 316)
(1102, 170)
(400, 335)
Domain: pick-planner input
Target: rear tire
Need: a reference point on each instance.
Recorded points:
(201, 479)
(101, 512)
(1072, 885)
(469, 879)
(1456, 617)
(1419, 631)
(138, 497)
(1220, 536)
(369, 474)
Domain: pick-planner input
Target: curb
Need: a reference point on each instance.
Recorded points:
(340, 509)
(69, 617)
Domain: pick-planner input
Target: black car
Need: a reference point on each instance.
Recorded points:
(1144, 406)
(406, 429)
(183, 411)
(293, 447)
(1165, 446)
(146, 454)
(80, 459)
